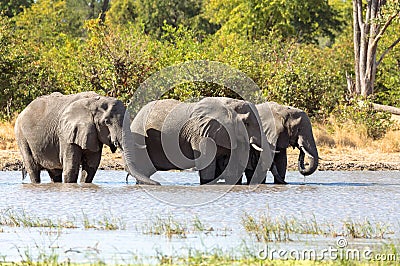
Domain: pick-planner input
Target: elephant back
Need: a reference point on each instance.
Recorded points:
(153, 116)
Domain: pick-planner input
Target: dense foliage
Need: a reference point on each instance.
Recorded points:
(297, 52)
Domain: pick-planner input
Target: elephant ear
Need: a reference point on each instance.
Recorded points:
(211, 128)
(216, 121)
(77, 126)
(273, 117)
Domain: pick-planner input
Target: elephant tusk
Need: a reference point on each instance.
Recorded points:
(256, 147)
(306, 152)
(139, 146)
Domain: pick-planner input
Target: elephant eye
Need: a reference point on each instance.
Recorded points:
(107, 122)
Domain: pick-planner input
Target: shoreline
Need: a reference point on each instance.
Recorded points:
(332, 160)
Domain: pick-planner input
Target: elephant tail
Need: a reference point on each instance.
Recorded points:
(23, 173)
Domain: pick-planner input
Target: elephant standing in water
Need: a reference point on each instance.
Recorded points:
(59, 133)
(287, 126)
(168, 134)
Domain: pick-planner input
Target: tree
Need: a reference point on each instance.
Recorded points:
(154, 14)
(368, 28)
(122, 12)
(78, 11)
(11, 8)
(304, 20)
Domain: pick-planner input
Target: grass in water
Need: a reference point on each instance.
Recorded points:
(14, 218)
(365, 229)
(199, 226)
(165, 226)
(169, 227)
(105, 223)
(267, 229)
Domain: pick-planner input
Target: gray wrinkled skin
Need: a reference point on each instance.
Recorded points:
(288, 127)
(168, 134)
(58, 133)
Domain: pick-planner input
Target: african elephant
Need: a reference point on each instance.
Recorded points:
(254, 130)
(287, 126)
(59, 133)
(168, 134)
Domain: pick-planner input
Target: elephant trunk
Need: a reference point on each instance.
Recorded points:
(140, 178)
(128, 147)
(313, 164)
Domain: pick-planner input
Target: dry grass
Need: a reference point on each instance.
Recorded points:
(344, 136)
(7, 137)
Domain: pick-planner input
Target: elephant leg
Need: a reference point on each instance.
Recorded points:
(254, 178)
(32, 168)
(254, 173)
(207, 175)
(220, 167)
(55, 175)
(34, 172)
(280, 162)
(229, 170)
(249, 175)
(90, 164)
(72, 155)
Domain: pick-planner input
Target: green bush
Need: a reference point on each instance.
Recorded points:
(304, 76)
(361, 113)
(44, 49)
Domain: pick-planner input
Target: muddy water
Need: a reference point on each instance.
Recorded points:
(330, 197)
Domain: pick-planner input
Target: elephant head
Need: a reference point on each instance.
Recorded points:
(254, 140)
(286, 126)
(93, 121)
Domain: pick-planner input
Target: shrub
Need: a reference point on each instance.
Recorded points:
(361, 113)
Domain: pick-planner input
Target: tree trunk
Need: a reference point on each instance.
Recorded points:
(366, 34)
(386, 108)
(104, 9)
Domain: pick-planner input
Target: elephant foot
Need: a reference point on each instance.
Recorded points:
(280, 181)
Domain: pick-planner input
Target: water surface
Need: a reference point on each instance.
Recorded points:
(330, 197)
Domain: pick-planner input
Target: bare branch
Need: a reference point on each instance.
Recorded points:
(383, 29)
(387, 50)
(359, 14)
(350, 84)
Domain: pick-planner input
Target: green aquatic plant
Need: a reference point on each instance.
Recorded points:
(199, 226)
(365, 229)
(266, 228)
(38, 255)
(167, 226)
(16, 218)
(107, 222)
